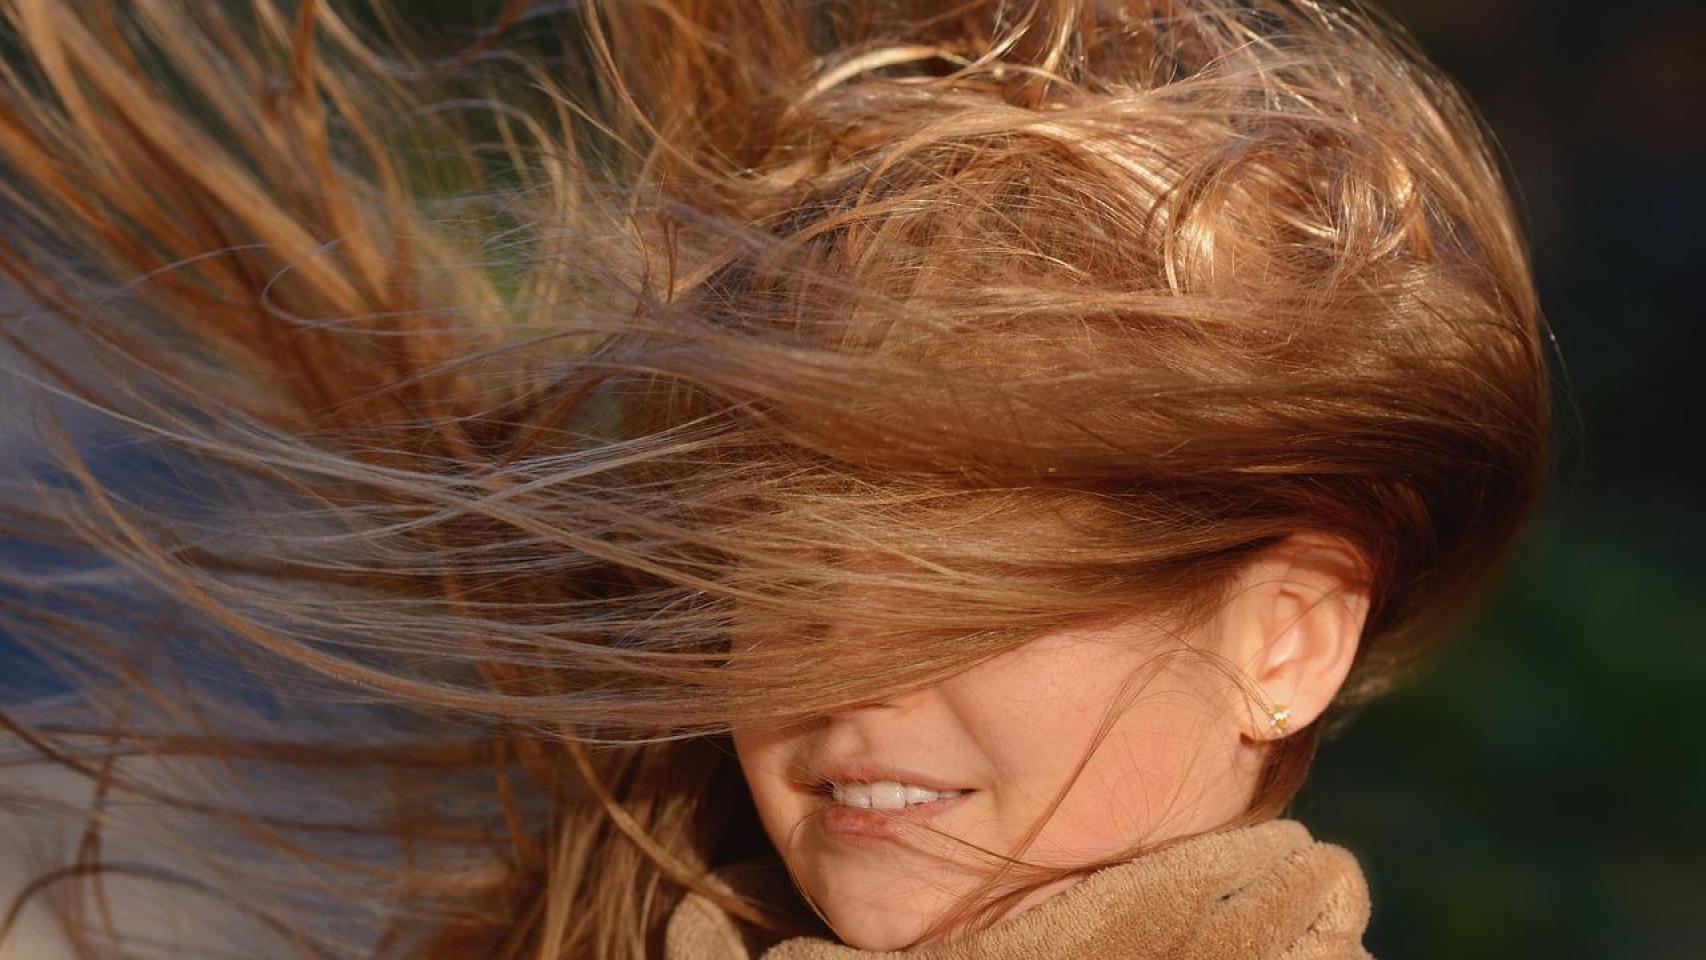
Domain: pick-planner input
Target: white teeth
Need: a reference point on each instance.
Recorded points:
(920, 794)
(887, 795)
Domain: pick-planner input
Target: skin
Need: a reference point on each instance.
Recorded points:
(1169, 741)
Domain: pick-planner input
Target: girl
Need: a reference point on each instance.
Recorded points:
(710, 480)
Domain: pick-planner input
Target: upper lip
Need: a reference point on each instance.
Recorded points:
(820, 772)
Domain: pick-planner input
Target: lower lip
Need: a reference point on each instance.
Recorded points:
(859, 824)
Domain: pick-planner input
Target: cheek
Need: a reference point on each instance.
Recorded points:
(764, 755)
(1167, 766)
(1100, 747)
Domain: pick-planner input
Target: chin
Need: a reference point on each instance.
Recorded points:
(883, 924)
(872, 930)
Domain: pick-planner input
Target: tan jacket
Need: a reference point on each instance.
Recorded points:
(1266, 892)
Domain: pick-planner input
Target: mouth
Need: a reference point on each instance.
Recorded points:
(865, 810)
(886, 795)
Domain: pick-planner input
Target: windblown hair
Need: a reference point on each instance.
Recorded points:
(423, 421)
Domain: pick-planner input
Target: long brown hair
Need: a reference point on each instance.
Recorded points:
(422, 418)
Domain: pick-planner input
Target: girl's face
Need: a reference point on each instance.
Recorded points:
(1073, 748)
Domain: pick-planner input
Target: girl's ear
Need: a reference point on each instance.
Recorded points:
(1292, 625)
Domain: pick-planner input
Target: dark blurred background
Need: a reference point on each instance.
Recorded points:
(1539, 791)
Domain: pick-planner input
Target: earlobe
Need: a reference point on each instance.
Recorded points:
(1297, 620)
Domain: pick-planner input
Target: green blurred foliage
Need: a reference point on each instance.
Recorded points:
(1537, 792)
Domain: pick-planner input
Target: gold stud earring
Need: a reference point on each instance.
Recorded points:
(1281, 717)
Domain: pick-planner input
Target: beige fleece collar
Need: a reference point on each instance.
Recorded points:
(1263, 892)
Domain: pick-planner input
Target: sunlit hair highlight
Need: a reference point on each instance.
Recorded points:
(424, 419)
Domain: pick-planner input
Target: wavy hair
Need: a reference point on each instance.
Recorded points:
(419, 421)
